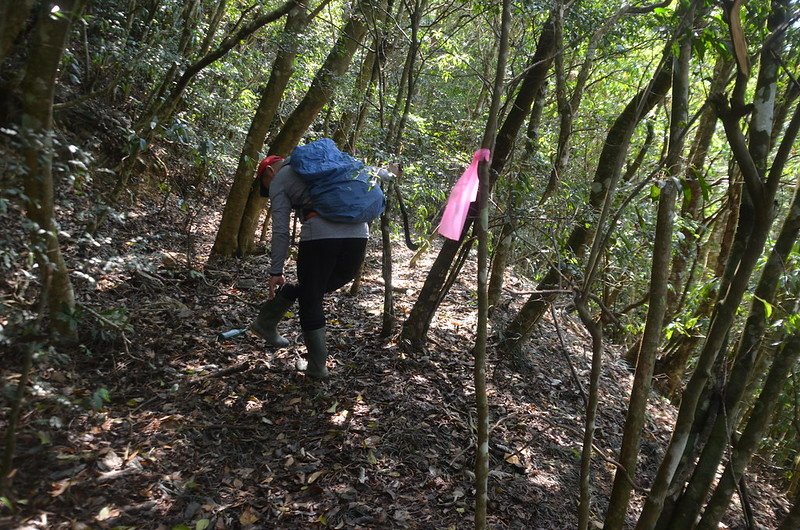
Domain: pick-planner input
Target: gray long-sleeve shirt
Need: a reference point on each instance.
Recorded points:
(286, 192)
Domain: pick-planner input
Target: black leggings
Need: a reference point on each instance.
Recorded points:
(323, 265)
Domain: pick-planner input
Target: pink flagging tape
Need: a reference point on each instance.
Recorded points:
(464, 192)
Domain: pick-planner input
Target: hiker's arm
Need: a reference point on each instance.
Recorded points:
(279, 244)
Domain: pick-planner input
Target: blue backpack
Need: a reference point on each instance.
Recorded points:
(341, 188)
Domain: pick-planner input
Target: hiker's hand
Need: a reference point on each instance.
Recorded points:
(275, 281)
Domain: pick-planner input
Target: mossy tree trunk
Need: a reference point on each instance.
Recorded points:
(38, 86)
(319, 94)
(226, 242)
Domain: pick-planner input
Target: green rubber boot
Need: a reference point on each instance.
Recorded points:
(266, 324)
(317, 353)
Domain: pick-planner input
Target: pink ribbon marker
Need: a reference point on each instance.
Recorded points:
(464, 192)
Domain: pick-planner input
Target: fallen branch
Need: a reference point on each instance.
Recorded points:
(567, 357)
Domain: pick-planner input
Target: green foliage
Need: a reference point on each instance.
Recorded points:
(99, 398)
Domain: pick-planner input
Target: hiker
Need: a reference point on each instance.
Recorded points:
(329, 256)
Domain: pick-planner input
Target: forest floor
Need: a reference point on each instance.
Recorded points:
(162, 425)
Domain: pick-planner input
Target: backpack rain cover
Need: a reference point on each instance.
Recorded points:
(341, 188)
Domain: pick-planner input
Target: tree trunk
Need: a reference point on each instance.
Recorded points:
(749, 345)
(226, 242)
(213, 26)
(386, 266)
(753, 432)
(659, 281)
(351, 109)
(406, 91)
(671, 367)
(595, 329)
(38, 86)
(606, 176)
(634, 166)
(156, 98)
(361, 117)
(502, 253)
(484, 167)
(505, 244)
(568, 108)
(318, 95)
(162, 108)
(435, 288)
(752, 162)
(10, 436)
(13, 16)
(692, 197)
(165, 111)
(352, 119)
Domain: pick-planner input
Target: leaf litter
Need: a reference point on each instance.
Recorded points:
(196, 433)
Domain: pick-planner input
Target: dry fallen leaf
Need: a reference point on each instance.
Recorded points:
(60, 487)
(111, 462)
(314, 476)
(249, 516)
(107, 512)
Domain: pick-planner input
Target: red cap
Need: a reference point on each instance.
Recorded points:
(268, 161)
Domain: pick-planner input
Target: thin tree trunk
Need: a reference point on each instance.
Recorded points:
(226, 242)
(386, 266)
(595, 329)
(659, 281)
(634, 166)
(749, 345)
(407, 92)
(38, 86)
(318, 95)
(752, 162)
(10, 438)
(605, 181)
(167, 109)
(354, 112)
(361, 117)
(435, 287)
(352, 107)
(406, 72)
(163, 107)
(156, 98)
(692, 198)
(213, 26)
(502, 253)
(505, 244)
(671, 367)
(484, 167)
(753, 433)
(568, 108)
